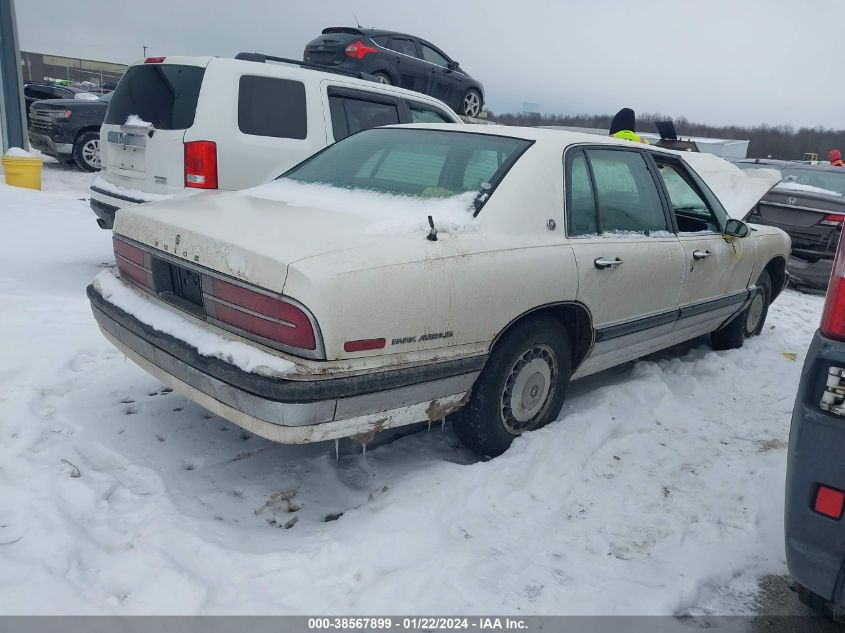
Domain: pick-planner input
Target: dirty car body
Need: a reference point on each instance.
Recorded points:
(384, 321)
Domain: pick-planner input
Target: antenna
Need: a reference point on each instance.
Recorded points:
(357, 23)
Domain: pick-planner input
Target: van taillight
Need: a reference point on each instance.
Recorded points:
(263, 315)
(201, 164)
(833, 316)
(131, 263)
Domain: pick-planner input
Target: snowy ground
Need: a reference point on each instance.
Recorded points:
(658, 492)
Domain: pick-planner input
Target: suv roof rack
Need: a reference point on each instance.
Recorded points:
(263, 59)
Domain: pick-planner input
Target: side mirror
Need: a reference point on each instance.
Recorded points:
(736, 228)
(453, 65)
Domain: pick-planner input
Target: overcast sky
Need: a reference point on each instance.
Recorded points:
(714, 61)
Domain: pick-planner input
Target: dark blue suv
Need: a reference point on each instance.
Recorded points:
(815, 476)
(400, 60)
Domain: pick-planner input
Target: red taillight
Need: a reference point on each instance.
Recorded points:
(358, 49)
(130, 262)
(262, 315)
(829, 502)
(364, 344)
(154, 60)
(201, 164)
(832, 219)
(833, 315)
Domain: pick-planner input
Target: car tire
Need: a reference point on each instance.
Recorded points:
(535, 360)
(471, 103)
(813, 600)
(86, 151)
(750, 322)
(383, 78)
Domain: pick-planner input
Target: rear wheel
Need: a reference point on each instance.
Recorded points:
(86, 151)
(521, 388)
(471, 103)
(383, 78)
(750, 322)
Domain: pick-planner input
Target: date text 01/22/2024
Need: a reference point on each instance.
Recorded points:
(416, 624)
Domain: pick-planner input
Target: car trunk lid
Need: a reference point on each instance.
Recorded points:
(143, 133)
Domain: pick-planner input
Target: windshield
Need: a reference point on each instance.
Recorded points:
(163, 94)
(414, 162)
(817, 178)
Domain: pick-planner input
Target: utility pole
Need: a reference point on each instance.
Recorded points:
(145, 50)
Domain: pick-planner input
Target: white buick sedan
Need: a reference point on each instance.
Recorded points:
(413, 272)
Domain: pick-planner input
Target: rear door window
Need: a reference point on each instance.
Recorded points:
(268, 106)
(351, 114)
(580, 201)
(163, 94)
(404, 45)
(628, 199)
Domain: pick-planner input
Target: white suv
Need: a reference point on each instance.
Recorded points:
(177, 126)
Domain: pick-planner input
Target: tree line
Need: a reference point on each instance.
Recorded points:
(775, 141)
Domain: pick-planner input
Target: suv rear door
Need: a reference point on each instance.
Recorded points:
(150, 158)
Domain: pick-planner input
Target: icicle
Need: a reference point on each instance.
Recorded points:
(337, 450)
(429, 426)
(443, 424)
(364, 450)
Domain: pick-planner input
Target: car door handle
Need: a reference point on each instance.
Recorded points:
(602, 263)
(699, 255)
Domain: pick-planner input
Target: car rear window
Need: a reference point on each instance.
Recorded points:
(163, 94)
(268, 106)
(413, 162)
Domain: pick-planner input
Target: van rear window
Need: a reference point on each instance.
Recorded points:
(268, 106)
(163, 94)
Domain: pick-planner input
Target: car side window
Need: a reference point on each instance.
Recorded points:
(351, 115)
(403, 45)
(580, 201)
(268, 106)
(426, 114)
(38, 92)
(692, 212)
(381, 40)
(431, 55)
(627, 196)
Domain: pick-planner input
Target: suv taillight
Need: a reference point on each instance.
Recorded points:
(201, 164)
(833, 316)
(358, 50)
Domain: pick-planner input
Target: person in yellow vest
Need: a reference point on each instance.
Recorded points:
(623, 125)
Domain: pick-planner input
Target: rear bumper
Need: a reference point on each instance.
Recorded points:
(815, 544)
(300, 409)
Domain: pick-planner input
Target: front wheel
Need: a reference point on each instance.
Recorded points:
(750, 322)
(86, 151)
(521, 388)
(471, 104)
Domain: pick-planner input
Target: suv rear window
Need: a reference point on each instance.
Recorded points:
(272, 107)
(163, 94)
